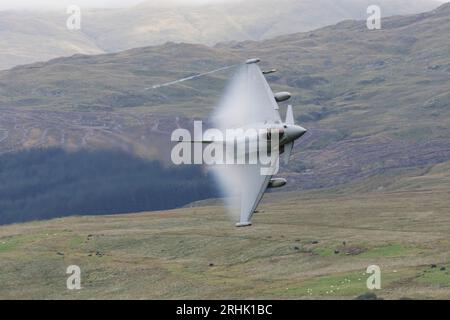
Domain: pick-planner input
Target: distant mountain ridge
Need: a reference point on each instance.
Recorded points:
(376, 103)
(39, 36)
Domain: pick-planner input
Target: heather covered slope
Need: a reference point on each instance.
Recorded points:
(375, 102)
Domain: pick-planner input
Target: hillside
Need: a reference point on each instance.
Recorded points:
(368, 185)
(301, 247)
(375, 102)
(40, 35)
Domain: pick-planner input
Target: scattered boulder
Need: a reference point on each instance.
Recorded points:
(353, 251)
(434, 67)
(367, 296)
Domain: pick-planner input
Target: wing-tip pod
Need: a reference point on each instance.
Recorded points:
(252, 61)
(243, 224)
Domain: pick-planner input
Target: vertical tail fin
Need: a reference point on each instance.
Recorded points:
(290, 116)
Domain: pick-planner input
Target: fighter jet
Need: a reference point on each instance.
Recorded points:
(250, 103)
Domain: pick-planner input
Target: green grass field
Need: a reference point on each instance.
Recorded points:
(302, 246)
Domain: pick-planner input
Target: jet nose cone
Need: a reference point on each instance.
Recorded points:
(299, 131)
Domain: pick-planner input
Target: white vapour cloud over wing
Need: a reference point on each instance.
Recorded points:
(243, 186)
(248, 102)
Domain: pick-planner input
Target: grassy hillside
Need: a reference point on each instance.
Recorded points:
(38, 36)
(314, 245)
